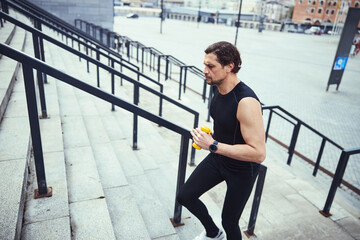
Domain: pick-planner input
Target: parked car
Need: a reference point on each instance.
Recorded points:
(313, 30)
(132, 15)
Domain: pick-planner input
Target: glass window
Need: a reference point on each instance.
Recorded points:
(329, 3)
(327, 11)
(309, 2)
(357, 4)
(334, 3)
(314, 2)
(312, 10)
(332, 11)
(319, 10)
(321, 3)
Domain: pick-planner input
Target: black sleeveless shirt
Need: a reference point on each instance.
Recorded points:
(223, 110)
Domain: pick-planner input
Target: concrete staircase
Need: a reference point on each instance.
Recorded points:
(102, 189)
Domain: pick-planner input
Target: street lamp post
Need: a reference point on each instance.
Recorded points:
(238, 22)
(199, 15)
(161, 15)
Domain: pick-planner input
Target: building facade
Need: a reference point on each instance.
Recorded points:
(322, 12)
(98, 12)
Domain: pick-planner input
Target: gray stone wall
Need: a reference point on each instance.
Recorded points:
(98, 12)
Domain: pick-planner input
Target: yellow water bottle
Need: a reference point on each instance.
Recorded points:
(204, 129)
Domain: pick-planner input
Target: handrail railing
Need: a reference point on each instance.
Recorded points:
(170, 60)
(60, 25)
(137, 84)
(29, 64)
(339, 174)
(98, 53)
(340, 170)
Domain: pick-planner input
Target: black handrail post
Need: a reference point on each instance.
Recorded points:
(293, 142)
(204, 91)
(158, 70)
(167, 68)
(185, 73)
(112, 84)
(87, 61)
(176, 220)
(137, 53)
(43, 190)
(142, 61)
(135, 117)
(317, 164)
(340, 169)
(161, 100)
(192, 156)
(39, 77)
(180, 82)
(79, 49)
(256, 201)
(268, 125)
(97, 66)
(42, 51)
(209, 103)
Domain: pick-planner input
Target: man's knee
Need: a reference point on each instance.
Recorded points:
(182, 198)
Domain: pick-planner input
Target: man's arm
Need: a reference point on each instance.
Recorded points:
(252, 129)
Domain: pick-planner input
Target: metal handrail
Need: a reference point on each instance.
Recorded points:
(99, 52)
(137, 84)
(29, 64)
(59, 24)
(345, 154)
(339, 174)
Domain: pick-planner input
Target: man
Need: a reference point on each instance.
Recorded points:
(237, 146)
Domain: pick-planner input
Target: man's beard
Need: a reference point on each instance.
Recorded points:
(210, 81)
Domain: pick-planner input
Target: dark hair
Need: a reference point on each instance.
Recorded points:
(226, 53)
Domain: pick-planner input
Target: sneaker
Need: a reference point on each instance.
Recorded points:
(203, 236)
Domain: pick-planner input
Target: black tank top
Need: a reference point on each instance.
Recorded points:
(223, 110)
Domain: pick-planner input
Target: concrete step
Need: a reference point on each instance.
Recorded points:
(9, 68)
(157, 225)
(85, 189)
(15, 148)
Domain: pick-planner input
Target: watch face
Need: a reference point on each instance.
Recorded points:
(213, 148)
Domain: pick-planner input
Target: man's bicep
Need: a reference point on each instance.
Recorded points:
(251, 122)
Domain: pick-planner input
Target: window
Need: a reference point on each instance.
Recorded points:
(321, 3)
(334, 3)
(329, 3)
(307, 10)
(319, 10)
(327, 11)
(332, 12)
(314, 2)
(309, 2)
(312, 10)
(300, 1)
(357, 4)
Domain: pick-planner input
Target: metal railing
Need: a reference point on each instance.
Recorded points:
(30, 64)
(85, 42)
(129, 47)
(342, 162)
(38, 35)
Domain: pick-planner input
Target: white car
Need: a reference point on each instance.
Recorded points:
(313, 30)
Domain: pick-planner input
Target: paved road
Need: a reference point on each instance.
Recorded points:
(286, 69)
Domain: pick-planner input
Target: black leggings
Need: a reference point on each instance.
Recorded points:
(210, 172)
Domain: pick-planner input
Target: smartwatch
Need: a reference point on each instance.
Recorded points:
(213, 147)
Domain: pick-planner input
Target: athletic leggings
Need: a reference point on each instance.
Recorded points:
(210, 172)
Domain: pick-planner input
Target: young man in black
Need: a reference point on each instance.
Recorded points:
(237, 146)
